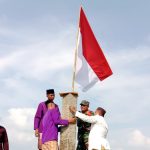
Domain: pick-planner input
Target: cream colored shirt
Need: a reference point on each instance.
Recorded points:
(98, 133)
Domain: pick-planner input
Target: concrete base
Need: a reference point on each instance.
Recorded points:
(68, 134)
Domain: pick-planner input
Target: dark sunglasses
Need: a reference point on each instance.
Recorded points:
(83, 105)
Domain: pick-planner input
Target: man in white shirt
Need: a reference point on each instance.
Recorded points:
(99, 129)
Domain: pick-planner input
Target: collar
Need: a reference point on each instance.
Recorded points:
(48, 101)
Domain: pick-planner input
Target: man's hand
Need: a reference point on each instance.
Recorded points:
(36, 133)
(72, 109)
(72, 120)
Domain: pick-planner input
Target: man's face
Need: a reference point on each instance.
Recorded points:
(84, 108)
(51, 96)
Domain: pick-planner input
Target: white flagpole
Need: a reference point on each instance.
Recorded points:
(75, 55)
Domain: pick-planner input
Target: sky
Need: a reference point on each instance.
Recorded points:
(37, 42)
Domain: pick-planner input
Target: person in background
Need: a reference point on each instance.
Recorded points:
(41, 110)
(99, 129)
(4, 145)
(83, 127)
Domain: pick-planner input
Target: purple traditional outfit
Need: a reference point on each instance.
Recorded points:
(41, 110)
(3, 139)
(51, 120)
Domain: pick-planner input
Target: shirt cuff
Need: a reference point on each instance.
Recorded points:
(77, 113)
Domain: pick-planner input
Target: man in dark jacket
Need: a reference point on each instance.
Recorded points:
(3, 139)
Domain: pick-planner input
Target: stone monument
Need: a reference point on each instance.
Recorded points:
(68, 134)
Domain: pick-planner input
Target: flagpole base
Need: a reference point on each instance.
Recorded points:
(68, 134)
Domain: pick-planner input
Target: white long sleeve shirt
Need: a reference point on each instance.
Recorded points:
(98, 132)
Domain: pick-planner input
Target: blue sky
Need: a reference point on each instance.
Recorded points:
(37, 41)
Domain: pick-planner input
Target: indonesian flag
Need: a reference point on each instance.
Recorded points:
(91, 64)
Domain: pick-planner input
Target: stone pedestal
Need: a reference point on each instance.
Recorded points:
(68, 134)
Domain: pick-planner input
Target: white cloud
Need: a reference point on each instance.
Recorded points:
(128, 139)
(39, 60)
(9, 60)
(137, 138)
(21, 117)
(19, 125)
(131, 55)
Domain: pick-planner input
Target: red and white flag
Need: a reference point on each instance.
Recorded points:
(91, 65)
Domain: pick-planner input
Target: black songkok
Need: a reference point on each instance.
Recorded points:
(50, 91)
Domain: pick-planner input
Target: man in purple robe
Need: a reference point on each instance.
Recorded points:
(51, 120)
(41, 110)
(3, 139)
